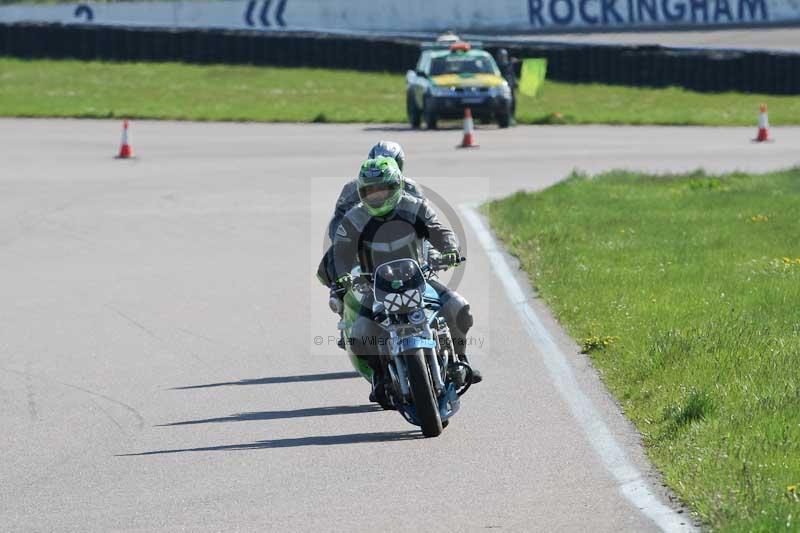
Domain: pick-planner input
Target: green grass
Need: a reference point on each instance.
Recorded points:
(562, 103)
(685, 290)
(191, 92)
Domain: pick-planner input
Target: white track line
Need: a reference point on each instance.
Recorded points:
(632, 484)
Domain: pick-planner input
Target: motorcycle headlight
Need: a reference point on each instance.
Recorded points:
(399, 302)
(500, 90)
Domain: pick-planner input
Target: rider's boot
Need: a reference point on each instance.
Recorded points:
(378, 393)
(477, 377)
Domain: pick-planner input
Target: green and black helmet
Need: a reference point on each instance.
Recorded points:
(380, 185)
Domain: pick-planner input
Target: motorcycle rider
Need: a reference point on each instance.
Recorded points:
(391, 224)
(506, 64)
(348, 199)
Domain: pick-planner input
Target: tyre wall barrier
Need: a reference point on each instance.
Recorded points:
(647, 66)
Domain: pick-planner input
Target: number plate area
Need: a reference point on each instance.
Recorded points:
(411, 343)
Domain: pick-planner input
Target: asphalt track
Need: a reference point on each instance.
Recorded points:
(158, 368)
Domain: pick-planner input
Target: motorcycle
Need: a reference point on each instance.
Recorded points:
(425, 377)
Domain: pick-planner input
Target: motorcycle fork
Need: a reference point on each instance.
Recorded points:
(433, 364)
(397, 368)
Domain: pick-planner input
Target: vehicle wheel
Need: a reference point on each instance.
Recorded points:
(422, 391)
(414, 116)
(504, 120)
(430, 118)
(431, 121)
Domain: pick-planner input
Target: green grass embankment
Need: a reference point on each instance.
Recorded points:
(685, 290)
(244, 93)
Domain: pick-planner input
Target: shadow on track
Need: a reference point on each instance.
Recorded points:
(390, 128)
(275, 379)
(330, 440)
(276, 415)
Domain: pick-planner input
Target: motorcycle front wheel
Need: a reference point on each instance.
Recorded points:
(422, 390)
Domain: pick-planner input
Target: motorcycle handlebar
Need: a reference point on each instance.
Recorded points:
(431, 266)
(435, 266)
(341, 290)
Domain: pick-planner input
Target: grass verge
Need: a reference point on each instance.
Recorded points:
(685, 291)
(193, 92)
(45, 88)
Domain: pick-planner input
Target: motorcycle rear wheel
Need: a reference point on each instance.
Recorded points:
(422, 390)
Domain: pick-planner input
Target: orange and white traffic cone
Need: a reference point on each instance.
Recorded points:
(468, 141)
(763, 125)
(125, 149)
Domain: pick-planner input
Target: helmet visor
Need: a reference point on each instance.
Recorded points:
(377, 195)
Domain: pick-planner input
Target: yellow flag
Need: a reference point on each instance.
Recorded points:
(532, 78)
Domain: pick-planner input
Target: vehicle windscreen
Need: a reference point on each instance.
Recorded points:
(461, 64)
(397, 277)
(399, 286)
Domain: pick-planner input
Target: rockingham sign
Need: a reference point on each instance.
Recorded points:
(382, 16)
(636, 13)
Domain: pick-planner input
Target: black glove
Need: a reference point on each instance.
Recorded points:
(345, 281)
(451, 258)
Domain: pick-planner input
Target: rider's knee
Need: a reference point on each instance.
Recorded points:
(464, 319)
(456, 312)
